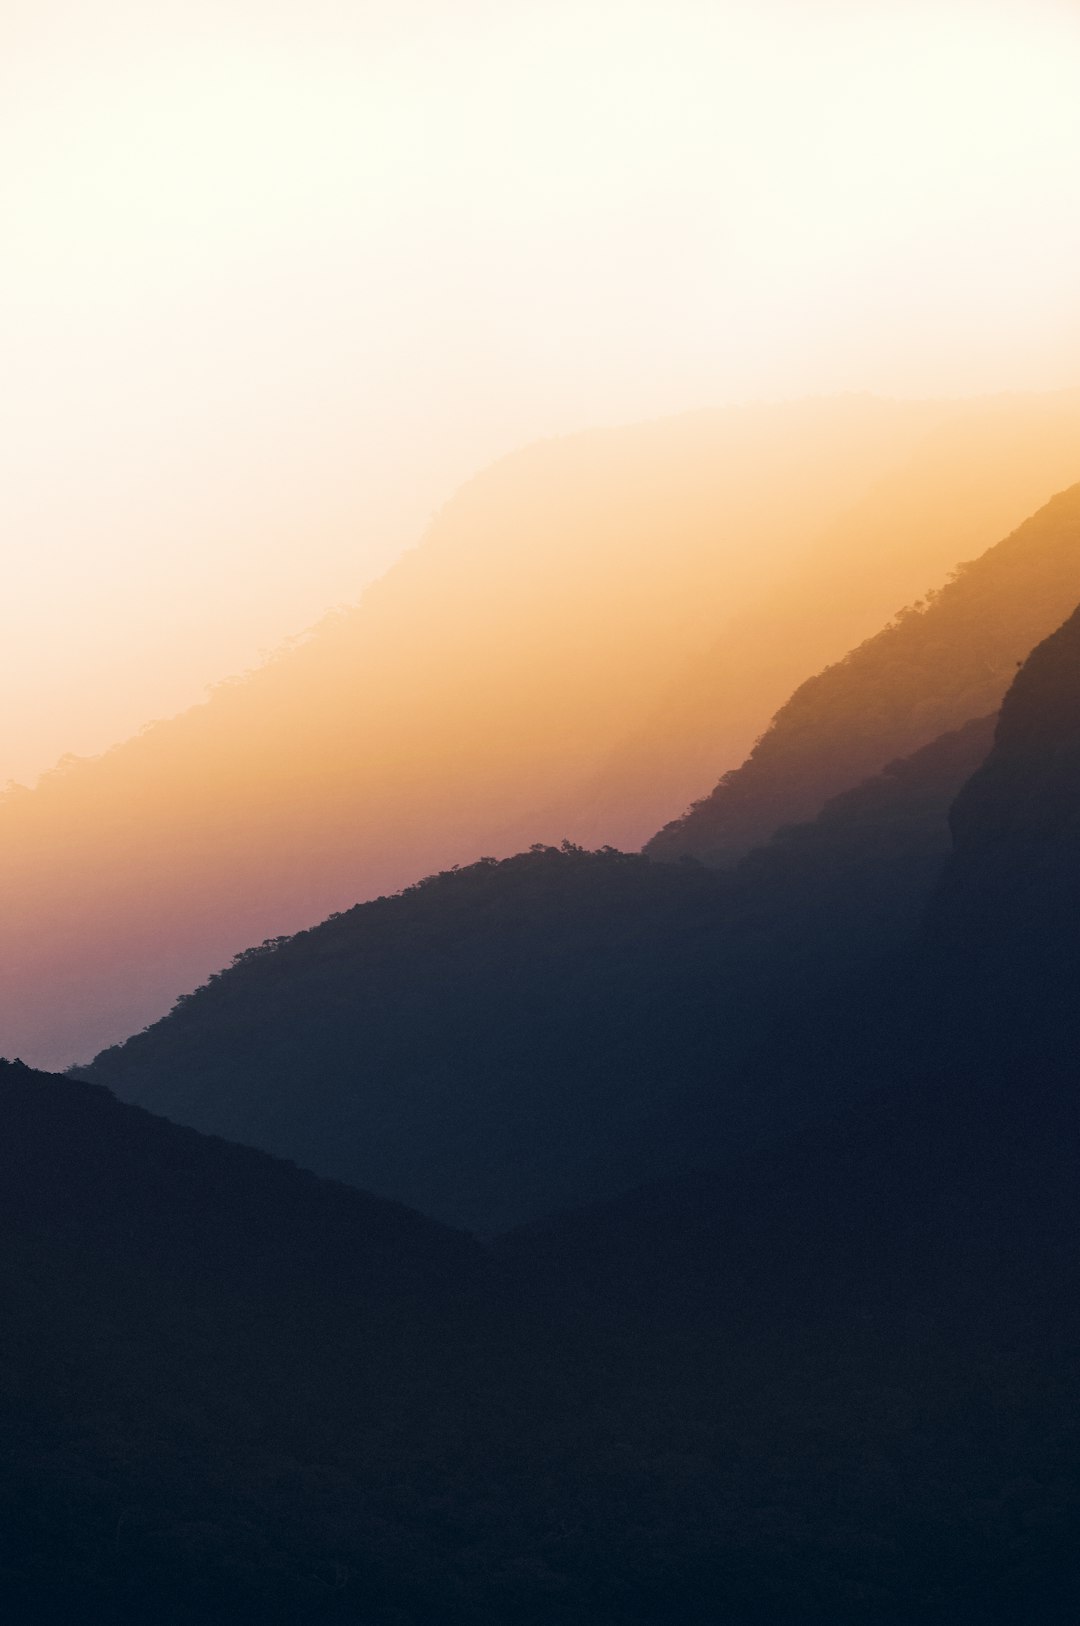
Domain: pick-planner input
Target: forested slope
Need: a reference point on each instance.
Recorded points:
(513, 1037)
(939, 664)
(546, 629)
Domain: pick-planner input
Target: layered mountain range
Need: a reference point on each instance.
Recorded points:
(579, 1237)
(590, 634)
(826, 1378)
(523, 1035)
(942, 661)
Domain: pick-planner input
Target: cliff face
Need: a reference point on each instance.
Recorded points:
(936, 666)
(971, 481)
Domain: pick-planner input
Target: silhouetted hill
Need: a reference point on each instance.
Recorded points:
(486, 1045)
(854, 881)
(1015, 872)
(515, 1037)
(819, 1382)
(469, 702)
(1003, 931)
(937, 665)
(905, 1271)
(973, 478)
(218, 1374)
(892, 1298)
(547, 607)
(831, 1379)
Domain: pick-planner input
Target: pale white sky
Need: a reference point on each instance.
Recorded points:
(275, 277)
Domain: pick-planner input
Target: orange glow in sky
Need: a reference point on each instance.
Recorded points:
(276, 277)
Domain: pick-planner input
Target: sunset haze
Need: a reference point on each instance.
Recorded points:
(277, 279)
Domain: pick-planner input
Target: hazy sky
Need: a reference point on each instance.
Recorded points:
(276, 276)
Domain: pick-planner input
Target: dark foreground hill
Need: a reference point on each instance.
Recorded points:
(910, 1266)
(834, 1385)
(513, 1038)
(830, 1382)
(890, 1301)
(218, 1373)
(940, 663)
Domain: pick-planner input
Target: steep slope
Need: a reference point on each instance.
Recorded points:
(938, 664)
(1016, 824)
(972, 480)
(496, 1042)
(831, 1380)
(955, 1189)
(1004, 926)
(511, 1038)
(468, 702)
(548, 606)
(854, 882)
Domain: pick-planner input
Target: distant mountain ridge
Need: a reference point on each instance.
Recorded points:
(516, 1037)
(971, 480)
(941, 663)
(511, 1038)
(479, 694)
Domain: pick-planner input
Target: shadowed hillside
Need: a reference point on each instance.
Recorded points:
(940, 663)
(1006, 919)
(969, 482)
(218, 1373)
(467, 704)
(514, 1037)
(832, 1378)
(854, 882)
(922, 1244)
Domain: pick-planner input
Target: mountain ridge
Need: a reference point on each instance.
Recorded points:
(448, 1036)
(939, 663)
(469, 703)
(829, 1376)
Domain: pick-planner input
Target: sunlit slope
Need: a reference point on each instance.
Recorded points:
(547, 609)
(969, 483)
(468, 703)
(936, 666)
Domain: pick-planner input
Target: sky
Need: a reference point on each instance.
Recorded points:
(276, 277)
